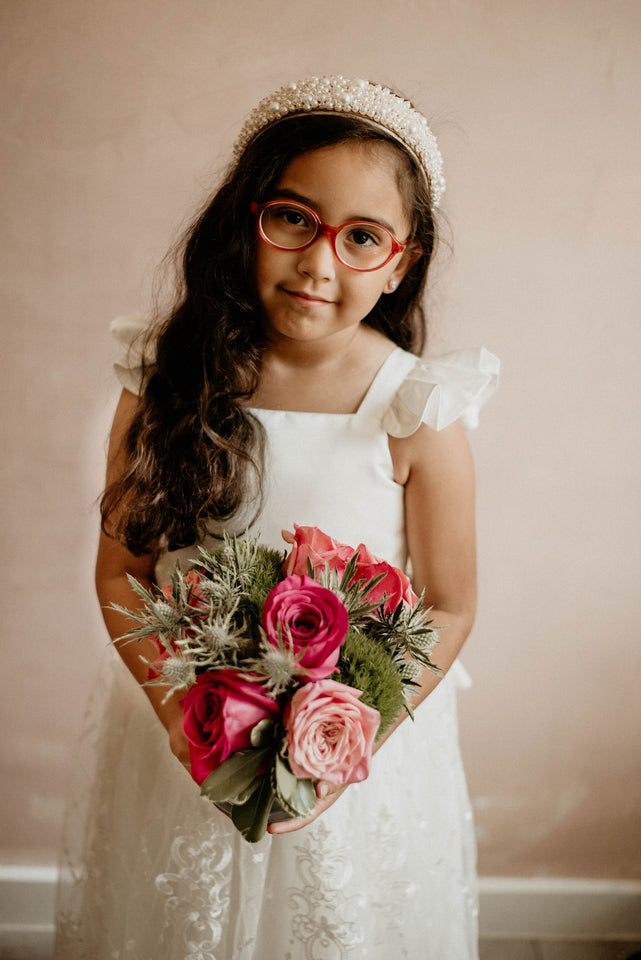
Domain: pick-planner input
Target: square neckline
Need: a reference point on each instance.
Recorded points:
(365, 403)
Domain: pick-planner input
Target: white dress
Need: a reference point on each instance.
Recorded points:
(151, 871)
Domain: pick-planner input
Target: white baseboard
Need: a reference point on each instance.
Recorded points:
(511, 907)
(27, 901)
(549, 908)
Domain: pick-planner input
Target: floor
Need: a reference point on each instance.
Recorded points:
(558, 950)
(489, 950)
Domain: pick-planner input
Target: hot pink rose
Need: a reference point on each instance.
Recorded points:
(330, 733)
(315, 619)
(312, 543)
(221, 710)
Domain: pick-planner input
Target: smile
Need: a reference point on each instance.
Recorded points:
(305, 298)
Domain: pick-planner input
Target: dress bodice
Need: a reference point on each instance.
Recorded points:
(335, 471)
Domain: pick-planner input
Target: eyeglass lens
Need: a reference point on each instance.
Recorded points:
(363, 246)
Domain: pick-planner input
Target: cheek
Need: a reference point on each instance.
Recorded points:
(262, 268)
(366, 291)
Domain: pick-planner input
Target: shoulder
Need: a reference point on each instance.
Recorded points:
(429, 453)
(438, 391)
(436, 401)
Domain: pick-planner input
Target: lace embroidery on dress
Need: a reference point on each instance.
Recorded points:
(325, 918)
(202, 881)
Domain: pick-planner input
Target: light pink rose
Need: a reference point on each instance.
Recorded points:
(330, 733)
(221, 709)
(315, 619)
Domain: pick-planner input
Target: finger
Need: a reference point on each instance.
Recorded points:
(325, 790)
(287, 826)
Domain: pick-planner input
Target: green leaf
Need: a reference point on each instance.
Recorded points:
(263, 733)
(297, 796)
(142, 592)
(234, 776)
(350, 570)
(251, 818)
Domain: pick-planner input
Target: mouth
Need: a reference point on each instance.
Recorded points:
(306, 298)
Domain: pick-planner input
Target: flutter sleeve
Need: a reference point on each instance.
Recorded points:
(130, 334)
(441, 390)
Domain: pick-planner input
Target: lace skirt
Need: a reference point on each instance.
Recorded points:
(149, 869)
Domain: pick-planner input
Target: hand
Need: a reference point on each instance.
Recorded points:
(326, 795)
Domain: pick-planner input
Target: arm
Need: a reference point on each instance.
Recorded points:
(437, 472)
(113, 564)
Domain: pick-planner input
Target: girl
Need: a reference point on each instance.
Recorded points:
(283, 387)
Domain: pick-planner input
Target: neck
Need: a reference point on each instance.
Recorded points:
(326, 376)
(335, 349)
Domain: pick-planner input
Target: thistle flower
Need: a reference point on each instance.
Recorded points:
(409, 671)
(223, 591)
(211, 640)
(278, 663)
(178, 673)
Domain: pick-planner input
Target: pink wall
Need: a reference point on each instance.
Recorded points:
(117, 118)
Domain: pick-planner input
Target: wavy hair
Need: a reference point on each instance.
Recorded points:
(194, 451)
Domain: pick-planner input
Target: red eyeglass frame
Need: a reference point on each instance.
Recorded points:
(325, 230)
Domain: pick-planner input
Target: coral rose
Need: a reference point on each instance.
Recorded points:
(221, 709)
(196, 602)
(321, 550)
(395, 585)
(192, 581)
(312, 543)
(330, 733)
(313, 617)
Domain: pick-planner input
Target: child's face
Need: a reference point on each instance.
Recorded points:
(309, 295)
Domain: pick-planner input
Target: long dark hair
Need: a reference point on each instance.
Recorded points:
(193, 451)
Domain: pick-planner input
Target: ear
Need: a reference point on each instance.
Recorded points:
(405, 264)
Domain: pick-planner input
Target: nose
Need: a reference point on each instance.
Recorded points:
(318, 260)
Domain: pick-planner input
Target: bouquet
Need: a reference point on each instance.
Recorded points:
(292, 666)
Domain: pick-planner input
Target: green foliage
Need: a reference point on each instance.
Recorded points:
(265, 573)
(298, 797)
(252, 817)
(230, 780)
(366, 665)
(407, 631)
(353, 593)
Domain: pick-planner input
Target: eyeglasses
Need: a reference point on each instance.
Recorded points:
(359, 244)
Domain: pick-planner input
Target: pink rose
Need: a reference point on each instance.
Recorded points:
(315, 619)
(312, 543)
(221, 709)
(330, 733)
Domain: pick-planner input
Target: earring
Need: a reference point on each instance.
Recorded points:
(392, 285)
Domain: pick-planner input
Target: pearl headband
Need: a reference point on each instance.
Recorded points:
(359, 98)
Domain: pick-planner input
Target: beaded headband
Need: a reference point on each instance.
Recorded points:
(378, 105)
